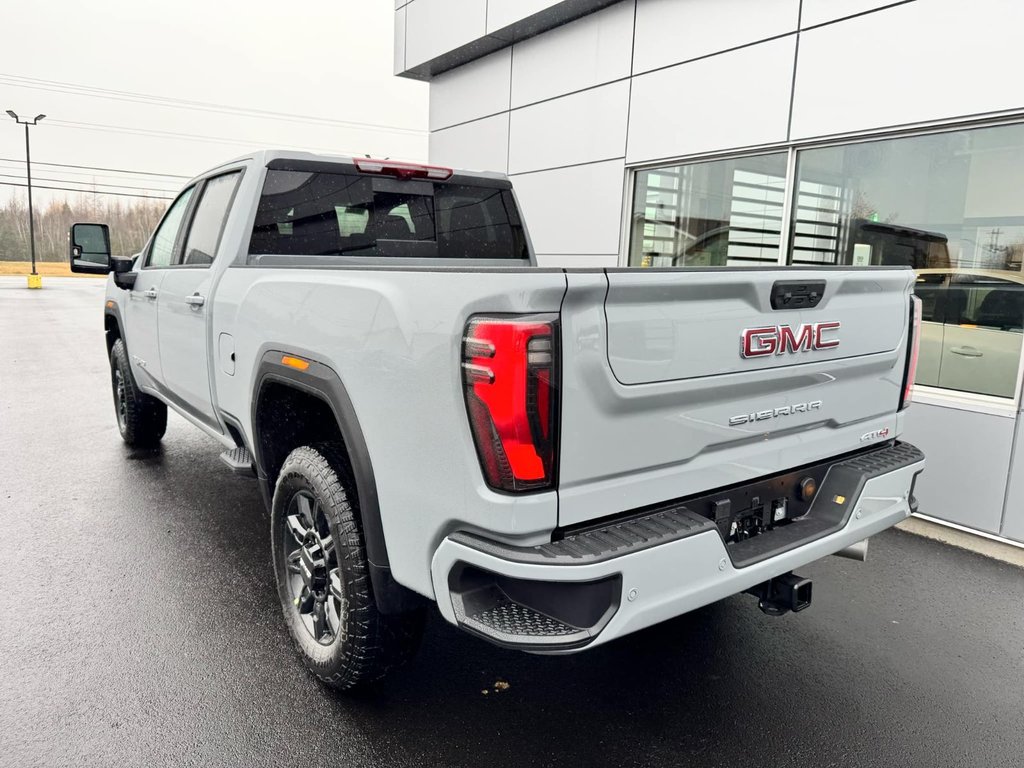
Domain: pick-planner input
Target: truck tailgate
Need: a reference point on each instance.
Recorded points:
(678, 382)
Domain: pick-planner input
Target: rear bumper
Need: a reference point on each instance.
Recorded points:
(596, 586)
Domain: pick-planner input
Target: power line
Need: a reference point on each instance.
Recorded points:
(85, 191)
(96, 168)
(19, 166)
(104, 128)
(21, 177)
(19, 81)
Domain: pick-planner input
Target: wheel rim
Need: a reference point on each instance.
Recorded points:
(314, 582)
(119, 399)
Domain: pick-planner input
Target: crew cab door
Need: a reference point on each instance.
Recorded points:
(144, 298)
(184, 308)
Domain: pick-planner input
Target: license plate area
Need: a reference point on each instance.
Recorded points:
(745, 511)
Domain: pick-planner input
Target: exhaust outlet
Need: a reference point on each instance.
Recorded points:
(858, 551)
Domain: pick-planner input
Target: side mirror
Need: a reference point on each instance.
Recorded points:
(90, 249)
(124, 277)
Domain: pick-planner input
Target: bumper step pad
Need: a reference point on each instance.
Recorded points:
(513, 619)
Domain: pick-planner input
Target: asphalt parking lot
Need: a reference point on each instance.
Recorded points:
(139, 625)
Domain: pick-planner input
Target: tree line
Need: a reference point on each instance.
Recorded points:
(131, 223)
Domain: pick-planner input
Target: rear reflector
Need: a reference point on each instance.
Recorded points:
(402, 170)
(509, 372)
(913, 352)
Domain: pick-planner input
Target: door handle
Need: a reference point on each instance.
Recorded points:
(966, 351)
(195, 300)
(150, 294)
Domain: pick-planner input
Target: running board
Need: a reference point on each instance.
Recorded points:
(239, 461)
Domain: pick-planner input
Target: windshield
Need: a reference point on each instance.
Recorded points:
(337, 214)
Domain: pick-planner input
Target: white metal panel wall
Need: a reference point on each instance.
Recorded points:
(481, 145)
(735, 99)
(1013, 512)
(501, 13)
(925, 60)
(968, 462)
(821, 11)
(593, 50)
(400, 17)
(579, 128)
(474, 90)
(670, 31)
(574, 213)
(434, 27)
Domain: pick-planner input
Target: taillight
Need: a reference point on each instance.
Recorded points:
(913, 350)
(510, 375)
(402, 170)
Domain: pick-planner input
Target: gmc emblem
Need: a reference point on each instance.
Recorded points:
(780, 339)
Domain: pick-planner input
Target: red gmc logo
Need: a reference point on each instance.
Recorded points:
(780, 339)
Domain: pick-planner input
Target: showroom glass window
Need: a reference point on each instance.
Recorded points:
(950, 205)
(718, 213)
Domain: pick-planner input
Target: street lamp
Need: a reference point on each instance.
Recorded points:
(34, 281)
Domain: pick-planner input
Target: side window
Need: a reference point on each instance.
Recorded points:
(930, 290)
(987, 302)
(162, 250)
(208, 222)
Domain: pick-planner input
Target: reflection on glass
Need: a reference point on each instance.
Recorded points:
(951, 205)
(719, 213)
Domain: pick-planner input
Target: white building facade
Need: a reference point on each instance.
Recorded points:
(688, 133)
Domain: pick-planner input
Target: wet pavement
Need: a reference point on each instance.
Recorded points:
(139, 625)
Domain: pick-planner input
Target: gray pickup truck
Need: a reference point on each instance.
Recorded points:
(554, 457)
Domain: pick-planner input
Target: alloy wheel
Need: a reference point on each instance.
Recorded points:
(314, 581)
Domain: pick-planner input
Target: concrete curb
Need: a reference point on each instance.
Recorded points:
(996, 550)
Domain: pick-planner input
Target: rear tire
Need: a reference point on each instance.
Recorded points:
(141, 419)
(323, 577)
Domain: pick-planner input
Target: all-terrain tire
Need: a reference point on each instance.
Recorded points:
(141, 419)
(363, 645)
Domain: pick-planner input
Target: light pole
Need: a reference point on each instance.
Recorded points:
(34, 281)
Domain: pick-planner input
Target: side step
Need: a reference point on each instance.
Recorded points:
(239, 461)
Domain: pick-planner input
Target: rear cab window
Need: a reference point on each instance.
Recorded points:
(337, 214)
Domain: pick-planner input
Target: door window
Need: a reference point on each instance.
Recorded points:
(208, 222)
(161, 251)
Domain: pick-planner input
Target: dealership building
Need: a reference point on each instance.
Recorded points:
(688, 133)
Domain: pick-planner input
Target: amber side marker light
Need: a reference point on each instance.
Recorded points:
(110, 305)
(295, 362)
(808, 487)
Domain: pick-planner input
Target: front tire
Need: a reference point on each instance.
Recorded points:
(141, 419)
(323, 577)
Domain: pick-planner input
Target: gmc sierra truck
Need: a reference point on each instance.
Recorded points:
(555, 458)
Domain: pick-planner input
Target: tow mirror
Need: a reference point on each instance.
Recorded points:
(90, 249)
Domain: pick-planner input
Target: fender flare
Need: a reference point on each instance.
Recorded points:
(322, 381)
(111, 309)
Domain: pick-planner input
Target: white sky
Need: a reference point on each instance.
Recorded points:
(329, 59)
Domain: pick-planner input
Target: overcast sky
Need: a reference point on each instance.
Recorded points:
(331, 60)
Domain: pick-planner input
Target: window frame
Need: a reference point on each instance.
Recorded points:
(968, 401)
(179, 247)
(185, 218)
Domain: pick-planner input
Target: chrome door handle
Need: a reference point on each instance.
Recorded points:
(150, 294)
(195, 300)
(966, 351)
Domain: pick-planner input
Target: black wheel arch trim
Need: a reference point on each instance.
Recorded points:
(111, 309)
(322, 381)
